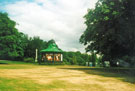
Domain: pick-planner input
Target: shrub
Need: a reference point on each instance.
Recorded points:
(66, 62)
(53, 63)
(29, 60)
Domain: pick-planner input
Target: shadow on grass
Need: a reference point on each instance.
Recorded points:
(3, 63)
(124, 74)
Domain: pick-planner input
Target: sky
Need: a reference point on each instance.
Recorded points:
(61, 20)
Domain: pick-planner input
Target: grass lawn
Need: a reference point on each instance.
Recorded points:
(19, 76)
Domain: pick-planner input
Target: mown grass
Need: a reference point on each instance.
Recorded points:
(33, 77)
(13, 62)
(15, 67)
(124, 74)
(6, 64)
(8, 84)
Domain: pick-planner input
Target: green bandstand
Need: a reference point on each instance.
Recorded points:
(52, 54)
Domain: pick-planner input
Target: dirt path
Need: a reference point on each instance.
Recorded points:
(74, 79)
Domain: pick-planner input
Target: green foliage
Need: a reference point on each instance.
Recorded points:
(15, 45)
(54, 63)
(75, 58)
(80, 60)
(29, 60)
(12, 62)
(99, 62)
(33, 44)
(110, 29)
(93, 58)
(10, 40)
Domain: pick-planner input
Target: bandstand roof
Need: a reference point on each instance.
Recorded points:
(52, 48)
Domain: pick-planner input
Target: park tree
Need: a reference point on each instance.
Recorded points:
(111, 30)
(52, 41)
(11, 46)
(34, 43)
(75, 58)
(93, 58)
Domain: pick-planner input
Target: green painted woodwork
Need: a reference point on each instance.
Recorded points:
(52, 48)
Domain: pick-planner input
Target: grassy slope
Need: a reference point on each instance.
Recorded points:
(20, 76)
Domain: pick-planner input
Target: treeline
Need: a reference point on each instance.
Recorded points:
(78, 58)
(75, 58)
(15, 45)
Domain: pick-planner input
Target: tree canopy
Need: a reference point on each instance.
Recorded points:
(10, 38)
(111, 29)
(16, 45)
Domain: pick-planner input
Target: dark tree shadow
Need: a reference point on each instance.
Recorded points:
(124, 74)
(3, 63)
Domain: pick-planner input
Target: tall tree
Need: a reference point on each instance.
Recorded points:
(33, 44)
(10, 38)
(111, 29)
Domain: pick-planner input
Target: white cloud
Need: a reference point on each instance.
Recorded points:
(61, 20)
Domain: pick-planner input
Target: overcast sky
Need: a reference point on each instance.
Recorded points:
(61, 20)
